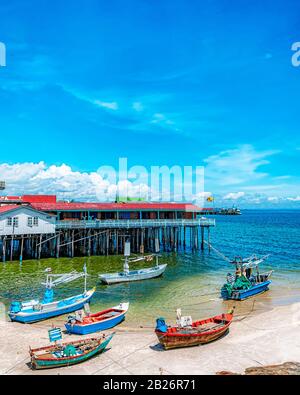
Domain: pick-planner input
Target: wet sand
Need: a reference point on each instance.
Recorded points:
(256, 338)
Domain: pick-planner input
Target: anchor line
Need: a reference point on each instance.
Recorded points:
(217, 251)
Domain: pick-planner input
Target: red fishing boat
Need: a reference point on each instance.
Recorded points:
(188, 333)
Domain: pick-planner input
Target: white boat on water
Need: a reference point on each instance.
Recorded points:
(133, 275)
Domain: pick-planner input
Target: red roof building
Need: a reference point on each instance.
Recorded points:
(86, 210)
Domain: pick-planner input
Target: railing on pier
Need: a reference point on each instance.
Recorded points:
(132, 224)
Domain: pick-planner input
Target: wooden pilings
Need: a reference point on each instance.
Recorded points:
(87, 242)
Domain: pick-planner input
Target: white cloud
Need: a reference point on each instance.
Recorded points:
(237, 166)
(234, 195)
(137, 106)
(158, 117)
(109, 105)
(38, 178)
(273, 199)
(294, 199)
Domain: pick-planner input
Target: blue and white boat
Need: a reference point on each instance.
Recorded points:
(106, 319)
(36, 310)
(246, 283)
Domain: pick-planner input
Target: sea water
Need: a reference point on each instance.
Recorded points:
(192, 280)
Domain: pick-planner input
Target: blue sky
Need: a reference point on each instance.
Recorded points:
(161, 83)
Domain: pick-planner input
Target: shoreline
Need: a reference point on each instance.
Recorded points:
(250, 342)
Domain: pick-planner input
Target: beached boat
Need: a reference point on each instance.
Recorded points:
(245, 283)
(188, 333)
(102, 320)
(36, 310)
(134, 275)
(33, 311)
(66, 354)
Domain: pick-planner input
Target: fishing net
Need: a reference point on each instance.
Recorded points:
(241, 283)
(70, 350)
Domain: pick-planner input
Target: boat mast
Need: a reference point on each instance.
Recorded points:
(157, 250)
(127, 255)
(85, 276)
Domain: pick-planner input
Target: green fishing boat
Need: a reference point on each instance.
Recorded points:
(66, 354)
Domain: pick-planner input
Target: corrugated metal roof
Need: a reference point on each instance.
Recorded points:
(62, 206)
(4, 209)
(39, 198)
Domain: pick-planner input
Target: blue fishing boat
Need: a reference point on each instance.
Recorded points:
(246, 283)
(36, 310)
(96, 322)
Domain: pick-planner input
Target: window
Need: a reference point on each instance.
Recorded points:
(15, 222)
(9, 221)
(29, 221)
(36, 221)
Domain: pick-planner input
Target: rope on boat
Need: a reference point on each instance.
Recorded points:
(217, 251)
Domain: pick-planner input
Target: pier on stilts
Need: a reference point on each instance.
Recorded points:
(91, 238)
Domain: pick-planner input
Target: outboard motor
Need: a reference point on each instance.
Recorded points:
(161, 325)
(71, 319)
(48, 296)
(15, 307)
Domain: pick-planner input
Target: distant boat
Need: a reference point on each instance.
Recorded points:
(102, 320)
(188, 333)
(66, 354)
(133, 275)
(245, 283)
(36, 310)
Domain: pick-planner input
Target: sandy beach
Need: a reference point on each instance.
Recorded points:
(271, 337)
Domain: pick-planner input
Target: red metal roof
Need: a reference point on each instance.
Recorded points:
(50, 203)
(62, 206)
(39, 198)
(4, 209)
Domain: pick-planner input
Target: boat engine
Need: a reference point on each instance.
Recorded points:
(15, 307)
(161, 325)
(71, 319)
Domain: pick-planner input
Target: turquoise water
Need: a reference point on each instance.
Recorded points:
(192, 281)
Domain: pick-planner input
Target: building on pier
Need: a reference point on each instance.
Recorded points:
(83, 228)
(25, 220)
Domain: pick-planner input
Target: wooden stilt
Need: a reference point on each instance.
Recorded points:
(21, 250)
(11, 247)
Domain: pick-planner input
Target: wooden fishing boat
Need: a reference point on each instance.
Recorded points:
(245, 283)
(134, 275)
(192, 333)
(66, 354)
(102, 320)
(36, 310)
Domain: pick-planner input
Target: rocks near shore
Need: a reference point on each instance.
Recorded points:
(287, 368)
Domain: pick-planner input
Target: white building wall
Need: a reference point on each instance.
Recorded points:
(46, 223)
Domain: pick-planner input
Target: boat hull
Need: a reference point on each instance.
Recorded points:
(182, 337)
(134, 275)
(247, 293)
(47, 363)
(28, 318)
(85, 329)
(169, 342)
